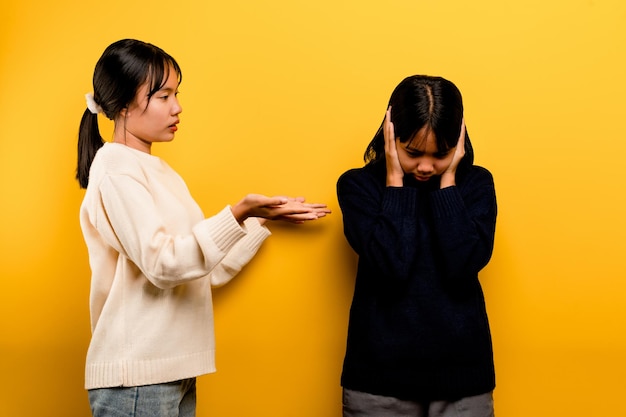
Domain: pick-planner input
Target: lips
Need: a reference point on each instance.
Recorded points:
(420, 178)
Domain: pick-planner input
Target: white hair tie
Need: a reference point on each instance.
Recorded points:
(92, 105)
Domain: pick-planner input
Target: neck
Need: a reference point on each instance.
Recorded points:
(122, 136)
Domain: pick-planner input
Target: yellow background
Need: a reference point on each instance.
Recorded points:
(281, 97)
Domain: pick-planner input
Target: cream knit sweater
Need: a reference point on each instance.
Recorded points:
(154, 258)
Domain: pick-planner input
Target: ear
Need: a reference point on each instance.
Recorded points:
(124, 112)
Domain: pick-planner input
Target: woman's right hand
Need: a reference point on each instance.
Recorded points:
(395, 174)
(289, 209)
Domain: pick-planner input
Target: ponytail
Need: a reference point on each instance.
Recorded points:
(89, 141)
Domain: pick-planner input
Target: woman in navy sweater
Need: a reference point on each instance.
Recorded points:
(421, 218)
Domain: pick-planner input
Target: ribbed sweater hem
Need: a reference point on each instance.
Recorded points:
(132, 373)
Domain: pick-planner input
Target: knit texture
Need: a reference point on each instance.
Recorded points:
(154, 258)
(418, 326)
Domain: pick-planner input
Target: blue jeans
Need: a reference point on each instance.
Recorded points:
(361, 404)
(172, 399)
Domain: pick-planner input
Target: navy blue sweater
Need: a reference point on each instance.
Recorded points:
(418, 326)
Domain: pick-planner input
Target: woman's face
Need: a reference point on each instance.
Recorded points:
(420, 158)
(156, 120)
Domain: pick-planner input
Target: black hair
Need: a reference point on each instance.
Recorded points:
(122, 69)
(424, 101)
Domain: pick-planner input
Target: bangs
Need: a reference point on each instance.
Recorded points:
(159, 71)
(417, 139)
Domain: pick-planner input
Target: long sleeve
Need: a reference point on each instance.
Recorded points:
(465, 222)
(132, 224)
(379, 222)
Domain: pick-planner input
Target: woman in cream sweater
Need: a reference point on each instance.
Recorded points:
(153, 255)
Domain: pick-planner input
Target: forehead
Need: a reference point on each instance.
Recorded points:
(423, 141)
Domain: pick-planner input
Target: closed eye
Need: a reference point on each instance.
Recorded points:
(414, 153)
(167, 94)
(442, 155)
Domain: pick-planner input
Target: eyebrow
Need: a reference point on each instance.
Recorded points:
(409, 149)
(415, 150)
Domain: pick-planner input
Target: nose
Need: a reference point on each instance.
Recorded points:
(177, 108)
(425, 167)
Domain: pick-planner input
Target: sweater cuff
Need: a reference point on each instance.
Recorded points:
(447, 202)
(257, 233)
(221, 230)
